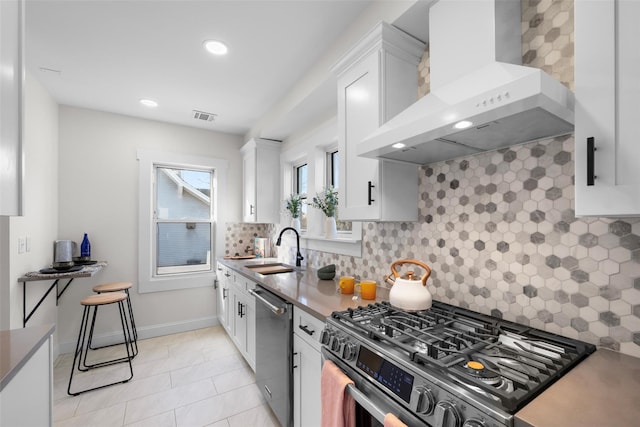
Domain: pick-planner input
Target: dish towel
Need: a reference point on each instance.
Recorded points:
(391, 420)
(338, 407)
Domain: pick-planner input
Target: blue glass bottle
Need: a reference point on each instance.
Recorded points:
(85, 248)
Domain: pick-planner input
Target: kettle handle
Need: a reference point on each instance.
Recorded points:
(395, 274)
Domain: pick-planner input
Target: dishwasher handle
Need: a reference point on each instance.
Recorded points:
(278, 311)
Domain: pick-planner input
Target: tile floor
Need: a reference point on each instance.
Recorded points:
(195, 378)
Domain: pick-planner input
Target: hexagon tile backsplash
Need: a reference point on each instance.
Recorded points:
(499, 232)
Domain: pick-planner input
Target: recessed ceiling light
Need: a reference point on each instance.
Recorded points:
(216, 47)
(149, 103)
(398, 145)
(463, 124)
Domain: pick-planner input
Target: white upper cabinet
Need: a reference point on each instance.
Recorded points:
(607, 66)
(260, 181)
(377, 79)
(11, 105)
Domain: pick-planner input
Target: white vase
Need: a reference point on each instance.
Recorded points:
(330, 229)
(295, 223)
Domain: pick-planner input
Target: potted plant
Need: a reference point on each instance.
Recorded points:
(294, 206)
(327, 202)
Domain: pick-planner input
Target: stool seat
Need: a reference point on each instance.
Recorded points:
(112, 287)
(102, 299)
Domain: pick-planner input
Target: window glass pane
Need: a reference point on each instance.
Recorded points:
(183, 194)
(301, 179)
(334, 179)
(335, 164)
(301, 188)
(183, 247)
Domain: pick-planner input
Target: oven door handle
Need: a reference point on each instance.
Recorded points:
(362, 399)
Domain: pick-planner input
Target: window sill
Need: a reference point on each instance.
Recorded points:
(342, 246)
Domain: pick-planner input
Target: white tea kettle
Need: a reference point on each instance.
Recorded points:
(409, 293)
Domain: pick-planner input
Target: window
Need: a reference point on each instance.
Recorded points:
(183, 218)
(333, 166)
(180, 224)
(300, 188)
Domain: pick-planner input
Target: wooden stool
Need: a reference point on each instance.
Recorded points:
(94, 301)
(117, 287)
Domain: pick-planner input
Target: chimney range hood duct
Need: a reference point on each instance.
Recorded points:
(476, 77)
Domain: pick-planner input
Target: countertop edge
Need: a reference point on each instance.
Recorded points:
(232, 264)
(316, 297)
(29, 340)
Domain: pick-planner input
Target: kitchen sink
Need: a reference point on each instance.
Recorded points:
(271, 268)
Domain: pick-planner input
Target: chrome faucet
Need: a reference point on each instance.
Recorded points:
(279, 241)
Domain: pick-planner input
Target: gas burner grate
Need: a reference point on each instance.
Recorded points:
(518, 361)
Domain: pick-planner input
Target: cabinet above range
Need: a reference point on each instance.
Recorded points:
(260, 181)
(606, 79)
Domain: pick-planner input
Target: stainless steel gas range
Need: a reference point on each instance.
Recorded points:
(445, 366)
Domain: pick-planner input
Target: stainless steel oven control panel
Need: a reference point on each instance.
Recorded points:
(437, 403)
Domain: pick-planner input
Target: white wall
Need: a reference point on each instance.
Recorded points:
(40, 219)
(98, 179)
(319, 73)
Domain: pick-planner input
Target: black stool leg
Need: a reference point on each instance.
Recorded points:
(126, 335)
(133, 327)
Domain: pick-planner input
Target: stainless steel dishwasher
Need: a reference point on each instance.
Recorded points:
(274, 345)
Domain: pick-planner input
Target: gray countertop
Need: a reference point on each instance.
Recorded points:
(601, 391)
(16, 348)
(303, 288)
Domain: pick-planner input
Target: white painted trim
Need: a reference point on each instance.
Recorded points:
(146, 160)
(147, 332)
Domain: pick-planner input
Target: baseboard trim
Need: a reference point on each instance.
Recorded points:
(147, 332)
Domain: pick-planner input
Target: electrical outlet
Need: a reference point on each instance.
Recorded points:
(21, 245)
(27, 245)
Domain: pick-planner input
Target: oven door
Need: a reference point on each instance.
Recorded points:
(372, 404)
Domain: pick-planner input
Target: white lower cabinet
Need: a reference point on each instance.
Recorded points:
(242, 317)
(307, 367)
(27, 400)
(222, 296)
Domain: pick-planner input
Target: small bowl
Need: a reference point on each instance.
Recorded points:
(329, 275)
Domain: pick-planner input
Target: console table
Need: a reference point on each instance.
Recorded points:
(86, 271)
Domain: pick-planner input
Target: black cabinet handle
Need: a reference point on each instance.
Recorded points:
(307, 330)
(295, 366)
(369, 193)
(224, 293)
(250, 209)
(591, 160)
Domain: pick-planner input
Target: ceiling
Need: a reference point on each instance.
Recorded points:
(107, 55)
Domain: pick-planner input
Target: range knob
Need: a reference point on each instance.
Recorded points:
(337, 343)
(473, 423)
(325, 336)
(349, 351)
(425, 401)
(447, 415)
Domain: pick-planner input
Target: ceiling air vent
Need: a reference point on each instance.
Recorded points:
(201, 115)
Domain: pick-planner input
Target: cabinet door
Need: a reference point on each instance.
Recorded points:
(359, 115)
(249, 186)
(607, 66)
(306, 384)
(239, 322)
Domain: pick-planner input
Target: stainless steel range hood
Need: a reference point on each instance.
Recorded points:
(475, 52)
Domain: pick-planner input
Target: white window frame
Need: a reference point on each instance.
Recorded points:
(148, 281)
(312, 150)
(294, 187)
(328, 178)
